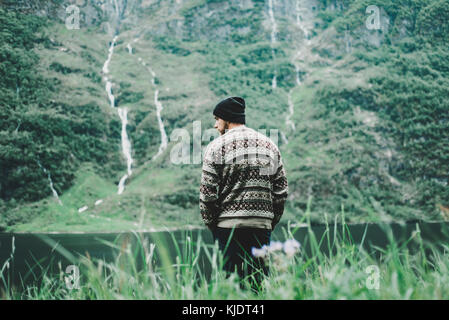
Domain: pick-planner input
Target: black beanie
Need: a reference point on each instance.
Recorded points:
(231, 109)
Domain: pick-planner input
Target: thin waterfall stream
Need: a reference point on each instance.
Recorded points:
(273, 40)
(304, 25)
(159, 108)
(50, 182)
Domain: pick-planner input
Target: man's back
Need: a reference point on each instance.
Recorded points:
(243, 181)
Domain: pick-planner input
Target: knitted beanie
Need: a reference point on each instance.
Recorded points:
(231, 109)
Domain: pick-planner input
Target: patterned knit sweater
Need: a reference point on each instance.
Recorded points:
(243, 177)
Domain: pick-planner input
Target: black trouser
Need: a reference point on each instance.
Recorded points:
(237, 251)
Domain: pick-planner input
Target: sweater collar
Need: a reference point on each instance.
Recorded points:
(236, 128)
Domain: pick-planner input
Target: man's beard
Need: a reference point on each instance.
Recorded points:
(226, 127)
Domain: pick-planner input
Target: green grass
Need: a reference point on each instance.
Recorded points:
(88, 188)
(310, 274)
(141, 205)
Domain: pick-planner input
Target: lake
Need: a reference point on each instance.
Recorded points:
(35, 252)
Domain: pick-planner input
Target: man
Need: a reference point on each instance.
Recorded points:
(243, 189)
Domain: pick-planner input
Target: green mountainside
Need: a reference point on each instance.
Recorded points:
(362, 114)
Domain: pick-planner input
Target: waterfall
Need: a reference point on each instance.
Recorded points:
(123, 114)
(298, 81)
(50, 181)
(291, 107)
(126, 147)
(111, 51)
(164, 139)
(130, 49)
(117, 9)
(273, 40)
(303, 21)
(108, 86)
(109, 92)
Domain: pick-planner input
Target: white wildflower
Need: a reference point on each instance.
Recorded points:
(291, 247)
(275, 246)
(259, 253)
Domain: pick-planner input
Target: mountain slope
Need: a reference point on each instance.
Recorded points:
(361, 116)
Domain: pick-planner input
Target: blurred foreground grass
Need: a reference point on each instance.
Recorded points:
(144, 270)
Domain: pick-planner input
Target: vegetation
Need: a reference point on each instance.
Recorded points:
(40, 134)
(145, 270)
(371, 119)
(394, 125)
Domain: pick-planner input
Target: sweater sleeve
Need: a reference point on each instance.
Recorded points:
(279, 193)
(209, 187)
